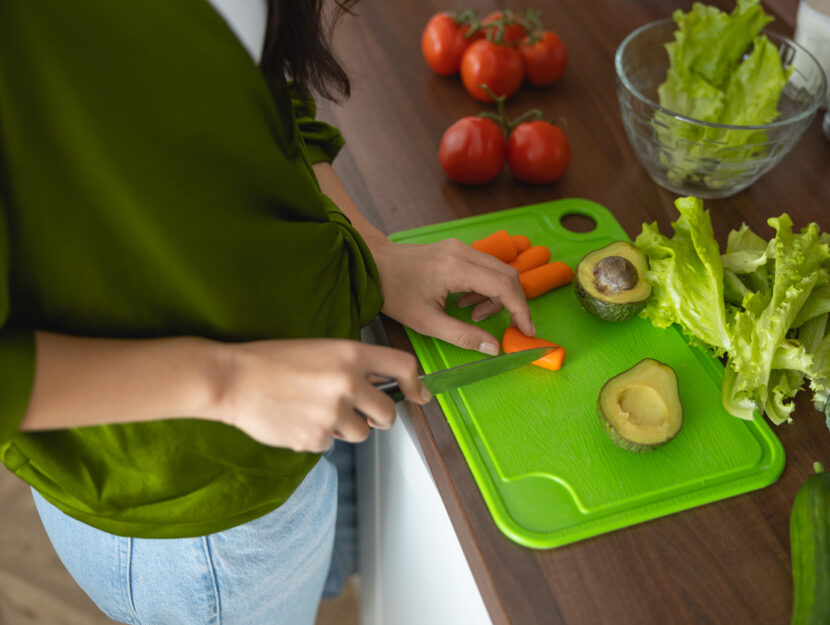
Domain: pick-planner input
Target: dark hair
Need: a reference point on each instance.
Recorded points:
(298, 42)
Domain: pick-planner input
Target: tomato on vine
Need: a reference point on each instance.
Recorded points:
(538, 152)
(499, 67)
(545, 58)
(472, 150)
(513, 28)
(444, 40)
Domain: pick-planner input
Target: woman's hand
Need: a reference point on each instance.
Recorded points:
(300, 393)
(416, 280)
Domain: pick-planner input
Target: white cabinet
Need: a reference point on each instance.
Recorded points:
(413, 571)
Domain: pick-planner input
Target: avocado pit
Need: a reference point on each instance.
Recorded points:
(610, 282)
(614, 274)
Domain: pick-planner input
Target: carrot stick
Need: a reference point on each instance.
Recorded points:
(542, 279)
(530, 258)
(514, 340)
(522, 243)
(499, 244)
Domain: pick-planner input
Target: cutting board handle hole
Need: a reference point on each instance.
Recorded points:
(576, 222)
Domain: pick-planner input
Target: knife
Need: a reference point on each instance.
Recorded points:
(454, 377)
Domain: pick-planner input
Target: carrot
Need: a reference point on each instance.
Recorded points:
(499, 244)
(530, 258)
(542, 279)
(515, 340)
(522, 243)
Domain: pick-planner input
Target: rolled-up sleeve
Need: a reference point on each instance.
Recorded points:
(17, 353)
(322, 140)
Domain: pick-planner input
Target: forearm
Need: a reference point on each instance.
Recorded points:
(332, 186)
(294, 393)
(416, 279)
(85, 381)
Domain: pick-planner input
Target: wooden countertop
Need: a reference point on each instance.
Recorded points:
(726, 562)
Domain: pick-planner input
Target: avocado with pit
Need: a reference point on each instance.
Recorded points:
(640, 408)
(610, 282)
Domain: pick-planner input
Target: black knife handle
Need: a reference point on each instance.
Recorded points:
(391, 388)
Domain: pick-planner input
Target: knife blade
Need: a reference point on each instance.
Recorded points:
(455, 377)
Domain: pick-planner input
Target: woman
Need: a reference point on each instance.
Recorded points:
(183, 279)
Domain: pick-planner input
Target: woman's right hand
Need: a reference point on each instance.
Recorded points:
(299, 393)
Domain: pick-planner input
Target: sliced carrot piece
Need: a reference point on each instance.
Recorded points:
(540, 280)
(499, 244)
(531, 258)
(522, 242)
(515, 340)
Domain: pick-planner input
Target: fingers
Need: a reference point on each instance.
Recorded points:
(485, 309)
(469, 299)
(491, 278)
(400, 365)
(351, 427)
(464, 335)
(501, 286)
(486, 260)
(375, 407)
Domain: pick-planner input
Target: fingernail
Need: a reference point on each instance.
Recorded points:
(426, 395)
(532, 329)
(478, 316)
(489, 348)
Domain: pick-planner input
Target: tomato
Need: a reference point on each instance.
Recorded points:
(443, 42)
(499, 67)
(513, 33)
(472, 150)
(538, 152)
(545, 60)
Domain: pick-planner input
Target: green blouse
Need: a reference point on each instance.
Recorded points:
(151, 185)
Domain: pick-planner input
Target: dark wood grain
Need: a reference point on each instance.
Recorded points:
(723, 563)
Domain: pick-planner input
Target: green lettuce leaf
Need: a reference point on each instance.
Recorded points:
(709, 45)
(817, 306)
(746, 251)
(762, 304)
(757, 332)
(783, 386)
(686, 275)
(813, 335)
(722, 70)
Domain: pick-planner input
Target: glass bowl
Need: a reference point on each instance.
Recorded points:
(693, 157)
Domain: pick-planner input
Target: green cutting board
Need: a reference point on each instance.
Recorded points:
(532, 438)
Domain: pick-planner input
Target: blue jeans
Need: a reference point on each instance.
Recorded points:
(270, 571)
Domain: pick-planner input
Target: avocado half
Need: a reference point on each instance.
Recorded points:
(610, 282)
(640, 408)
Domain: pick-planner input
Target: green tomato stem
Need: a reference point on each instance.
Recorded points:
(467, 16)
(533, 20)
(499, 116)
(496, 35)
(532, 113)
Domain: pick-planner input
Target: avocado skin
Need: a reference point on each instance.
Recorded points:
(607, 311)
(624, 443)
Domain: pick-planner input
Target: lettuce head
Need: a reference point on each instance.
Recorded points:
(763, 305)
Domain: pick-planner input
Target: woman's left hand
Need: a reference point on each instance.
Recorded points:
(416, 280)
